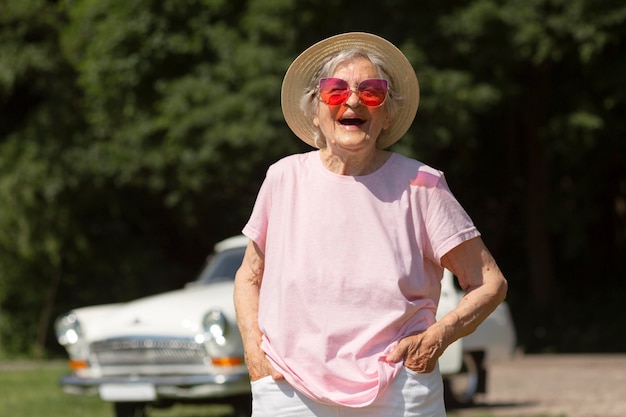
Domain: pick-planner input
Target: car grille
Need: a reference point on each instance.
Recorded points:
(149, 351)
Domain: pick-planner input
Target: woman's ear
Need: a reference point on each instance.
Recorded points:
(316, 121)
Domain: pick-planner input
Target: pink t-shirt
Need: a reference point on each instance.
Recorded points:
(352, 265)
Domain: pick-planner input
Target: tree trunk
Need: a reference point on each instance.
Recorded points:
(46, 310)
(541, 268)
(540, 261)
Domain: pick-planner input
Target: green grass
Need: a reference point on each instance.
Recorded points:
(28, 390)
(32, 390)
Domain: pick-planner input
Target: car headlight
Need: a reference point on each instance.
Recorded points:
(215, 326)
(68, 329)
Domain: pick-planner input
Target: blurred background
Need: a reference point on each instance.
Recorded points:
(134, 135)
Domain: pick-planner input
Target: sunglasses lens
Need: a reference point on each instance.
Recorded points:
(334, 91)
(373, 92)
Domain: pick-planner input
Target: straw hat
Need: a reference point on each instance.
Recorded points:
(308, 63)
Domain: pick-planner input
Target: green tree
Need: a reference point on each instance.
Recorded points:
(135, 134)
(150, 117)
(522, 106)
(39, 119)
(544, 168)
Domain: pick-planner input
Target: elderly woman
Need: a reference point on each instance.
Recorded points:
(337, 293)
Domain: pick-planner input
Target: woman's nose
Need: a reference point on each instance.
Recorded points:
(354, 99)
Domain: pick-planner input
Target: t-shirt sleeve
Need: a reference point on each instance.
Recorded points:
(447, 223)
(257, 225)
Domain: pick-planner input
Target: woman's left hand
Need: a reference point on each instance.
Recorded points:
(420, 351)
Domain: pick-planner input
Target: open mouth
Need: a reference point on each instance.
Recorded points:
(352, 121)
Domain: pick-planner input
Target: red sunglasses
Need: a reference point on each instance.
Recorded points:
(372, 92)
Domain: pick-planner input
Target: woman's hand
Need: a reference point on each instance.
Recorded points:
(420, 351)
(259, 367)
(258, 364)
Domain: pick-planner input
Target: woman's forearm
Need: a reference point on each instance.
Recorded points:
(484, 285)
(246, 297)
(475, 306)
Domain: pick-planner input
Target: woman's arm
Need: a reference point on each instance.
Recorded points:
(246, 297)
(485, 288)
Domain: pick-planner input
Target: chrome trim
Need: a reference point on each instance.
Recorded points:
(151, 350)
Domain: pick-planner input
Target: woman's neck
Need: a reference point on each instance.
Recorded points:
(354, 164)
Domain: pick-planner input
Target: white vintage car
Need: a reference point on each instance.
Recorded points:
(184, 346)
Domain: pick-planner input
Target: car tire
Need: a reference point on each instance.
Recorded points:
(133, 409)
(242, 405)
(460, 389)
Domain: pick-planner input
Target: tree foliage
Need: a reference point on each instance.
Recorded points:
(135, 134)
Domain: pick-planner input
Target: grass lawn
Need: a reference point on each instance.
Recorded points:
(28, 390)
(32, 390)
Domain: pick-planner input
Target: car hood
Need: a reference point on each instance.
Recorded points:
(176, 313)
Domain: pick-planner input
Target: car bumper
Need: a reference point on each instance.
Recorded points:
(154, 388)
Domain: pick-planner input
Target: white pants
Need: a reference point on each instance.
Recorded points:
(410, 394)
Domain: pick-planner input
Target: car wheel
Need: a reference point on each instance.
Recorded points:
(461, 388)
(242, 405)
(130, 409)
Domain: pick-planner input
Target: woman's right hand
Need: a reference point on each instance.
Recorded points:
(259, 367)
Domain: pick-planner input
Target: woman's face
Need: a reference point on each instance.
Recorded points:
(352, 125)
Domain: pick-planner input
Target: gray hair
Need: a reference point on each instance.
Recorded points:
(309, 102)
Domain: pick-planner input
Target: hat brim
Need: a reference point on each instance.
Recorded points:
(308, 63)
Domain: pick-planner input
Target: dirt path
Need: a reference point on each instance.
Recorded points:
(556, 385)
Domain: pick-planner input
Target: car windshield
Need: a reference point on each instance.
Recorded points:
(222, 266)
